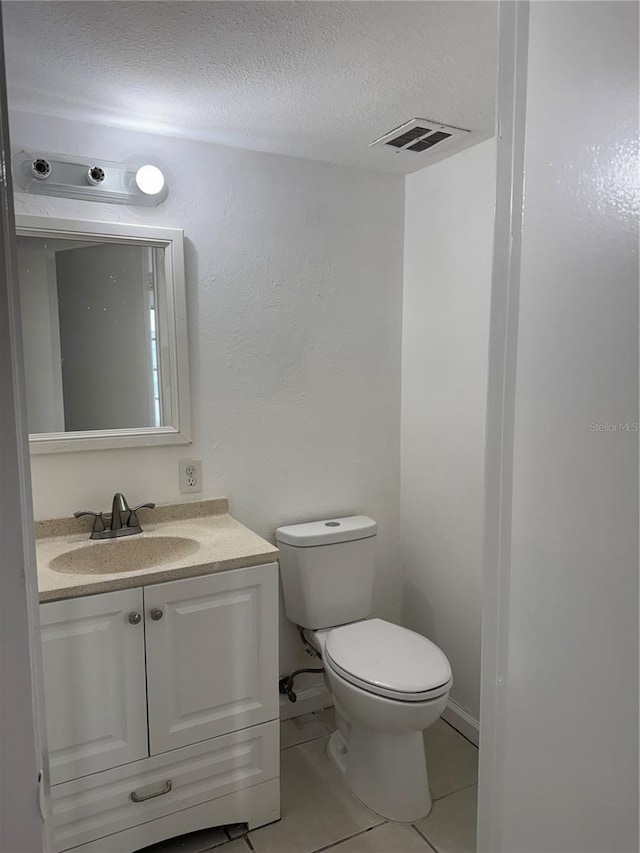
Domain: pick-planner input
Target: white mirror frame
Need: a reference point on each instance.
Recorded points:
(172, 241)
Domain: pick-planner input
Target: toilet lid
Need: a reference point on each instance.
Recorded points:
(388, 660)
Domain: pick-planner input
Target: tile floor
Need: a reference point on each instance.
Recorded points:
(319, 813)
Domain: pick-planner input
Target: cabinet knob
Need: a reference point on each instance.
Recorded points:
(156, 614)
(135, 618)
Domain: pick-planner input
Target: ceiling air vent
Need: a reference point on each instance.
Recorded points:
(420, 134)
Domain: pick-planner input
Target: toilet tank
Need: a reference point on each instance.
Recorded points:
(327, 570)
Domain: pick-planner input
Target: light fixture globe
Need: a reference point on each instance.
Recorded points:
(150, 180)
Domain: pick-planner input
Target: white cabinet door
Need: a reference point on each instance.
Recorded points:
(212, 655)
(94, 682)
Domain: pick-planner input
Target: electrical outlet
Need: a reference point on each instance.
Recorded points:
(190, 475)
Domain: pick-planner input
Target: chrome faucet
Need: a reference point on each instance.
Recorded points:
(123, 522)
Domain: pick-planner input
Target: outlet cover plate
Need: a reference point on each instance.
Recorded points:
(190, 476)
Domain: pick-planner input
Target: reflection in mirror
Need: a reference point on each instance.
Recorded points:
(93, 326)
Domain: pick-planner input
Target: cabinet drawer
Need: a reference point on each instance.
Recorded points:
(102, 804)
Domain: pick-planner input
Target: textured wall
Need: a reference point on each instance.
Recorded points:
(560, 770)
(294, 280)
(448, 248)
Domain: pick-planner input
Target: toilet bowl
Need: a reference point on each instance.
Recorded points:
(388, 683)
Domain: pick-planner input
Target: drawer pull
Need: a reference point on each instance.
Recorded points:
(140, 798)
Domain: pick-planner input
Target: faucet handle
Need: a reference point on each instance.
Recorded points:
(133, 515)
(98, 519)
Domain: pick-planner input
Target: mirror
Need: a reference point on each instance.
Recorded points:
(104, 334)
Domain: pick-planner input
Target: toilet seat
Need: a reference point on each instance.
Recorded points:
(388, 660)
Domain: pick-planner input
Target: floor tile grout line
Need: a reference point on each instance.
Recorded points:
(419, 831)
(349, 837)
(468, 740)
(424, 838)
(457, 791)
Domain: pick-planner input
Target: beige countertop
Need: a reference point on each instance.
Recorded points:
(216, 542)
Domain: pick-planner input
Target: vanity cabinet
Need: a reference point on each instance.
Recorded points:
(162, 709)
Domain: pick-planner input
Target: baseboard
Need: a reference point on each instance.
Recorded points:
(313, 698)
(462, 721)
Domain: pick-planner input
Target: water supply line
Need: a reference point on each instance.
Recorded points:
(285, 683)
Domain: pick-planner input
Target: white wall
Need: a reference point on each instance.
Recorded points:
(560, 770)
(294, 280)
(447, 282)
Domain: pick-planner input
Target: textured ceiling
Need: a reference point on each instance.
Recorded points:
(318, 80)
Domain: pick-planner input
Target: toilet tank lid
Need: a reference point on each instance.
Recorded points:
(327, 532)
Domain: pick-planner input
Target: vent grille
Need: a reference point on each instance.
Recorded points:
(430, 141)
(409, 136)
(419, 135)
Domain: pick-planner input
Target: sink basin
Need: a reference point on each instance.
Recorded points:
(124, 555)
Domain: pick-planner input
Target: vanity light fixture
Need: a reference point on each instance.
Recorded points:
(149, 179)
(40, 169)
(89, 179)
(95, 175)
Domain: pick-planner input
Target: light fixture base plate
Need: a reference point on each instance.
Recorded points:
(68, 178)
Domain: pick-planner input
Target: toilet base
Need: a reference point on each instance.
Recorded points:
(386, 772)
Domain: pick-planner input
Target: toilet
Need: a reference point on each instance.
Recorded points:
(388, 683)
